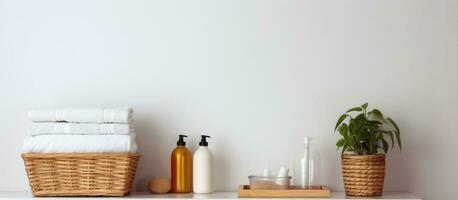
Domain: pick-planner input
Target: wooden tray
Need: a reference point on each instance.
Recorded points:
(318, 191)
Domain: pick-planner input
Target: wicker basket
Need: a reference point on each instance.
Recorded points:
(80, 174)
(363, 174)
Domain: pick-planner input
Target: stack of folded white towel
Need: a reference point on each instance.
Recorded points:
(81, 130)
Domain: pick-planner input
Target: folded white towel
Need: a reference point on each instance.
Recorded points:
(59, 128)
(84, 115)
(80, 144)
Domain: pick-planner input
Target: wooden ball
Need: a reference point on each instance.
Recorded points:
(159, 185)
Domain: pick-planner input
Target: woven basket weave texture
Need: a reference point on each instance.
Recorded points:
(363, 175)
(80, 174)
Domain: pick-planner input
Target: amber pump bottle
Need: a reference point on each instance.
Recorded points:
(181, 167)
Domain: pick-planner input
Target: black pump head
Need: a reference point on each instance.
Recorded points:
(203, 141)
(181, 141)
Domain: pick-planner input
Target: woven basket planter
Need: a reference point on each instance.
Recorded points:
(80, 174)
(363, 175)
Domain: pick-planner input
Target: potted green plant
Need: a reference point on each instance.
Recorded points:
(363, 141)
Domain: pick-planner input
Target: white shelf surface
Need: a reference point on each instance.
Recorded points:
(214, 196)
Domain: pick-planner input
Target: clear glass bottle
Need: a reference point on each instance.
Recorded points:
(306, 166)
(315, 168)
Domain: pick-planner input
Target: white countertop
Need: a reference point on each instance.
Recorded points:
(214, 196)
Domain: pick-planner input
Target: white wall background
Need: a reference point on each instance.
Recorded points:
(256, 75)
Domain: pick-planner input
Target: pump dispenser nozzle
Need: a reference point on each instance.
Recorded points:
(203, 141)
(181, 141)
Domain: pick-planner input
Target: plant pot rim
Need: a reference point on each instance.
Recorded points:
(363, 156)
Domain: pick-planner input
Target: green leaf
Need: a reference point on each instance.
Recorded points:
(340, 120)
(344, 148)
(385, 145)
(351, 124)
(360, 117)
(390, 133)
(340, 142)
(397, 132)
(398, 138)
(358, 109)
(343, 130)
(364, 105)
(377, 113)
(393, 123)
(376, 122)
(358, 124)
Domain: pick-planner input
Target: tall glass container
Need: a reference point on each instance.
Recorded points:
(306, 166)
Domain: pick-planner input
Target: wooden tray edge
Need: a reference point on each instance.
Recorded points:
(290, 193)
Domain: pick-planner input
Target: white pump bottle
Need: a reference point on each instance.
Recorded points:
(203, 168)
